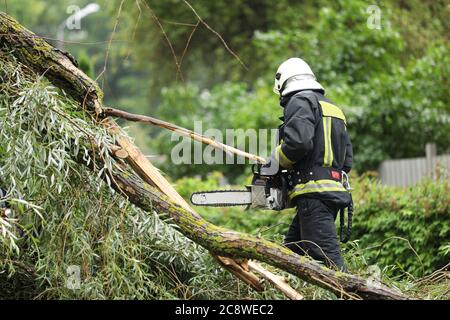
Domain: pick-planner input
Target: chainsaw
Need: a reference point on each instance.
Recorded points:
(266, 192)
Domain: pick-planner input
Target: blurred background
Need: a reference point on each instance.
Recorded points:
(385, 63)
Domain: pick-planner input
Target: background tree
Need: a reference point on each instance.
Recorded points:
(391, 82)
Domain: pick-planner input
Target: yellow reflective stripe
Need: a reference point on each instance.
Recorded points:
(302, 192)
(330, 144)
(284, 161)
(325, 151)
(328, 149)
(330, 110)
(316, 186)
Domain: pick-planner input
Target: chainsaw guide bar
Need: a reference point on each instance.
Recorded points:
(222, 198)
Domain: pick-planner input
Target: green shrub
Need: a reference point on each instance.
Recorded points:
(405, 227)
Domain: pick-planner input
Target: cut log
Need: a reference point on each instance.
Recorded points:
(145, 187)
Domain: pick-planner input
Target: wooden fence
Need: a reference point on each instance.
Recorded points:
(407, 172)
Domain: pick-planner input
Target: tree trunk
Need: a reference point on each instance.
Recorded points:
(138, 184)
(225, 242)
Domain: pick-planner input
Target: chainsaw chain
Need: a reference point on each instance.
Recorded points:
(218, 204)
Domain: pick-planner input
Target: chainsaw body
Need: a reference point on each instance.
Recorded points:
(266, 192)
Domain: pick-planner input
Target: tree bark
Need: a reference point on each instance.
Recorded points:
(149, 193)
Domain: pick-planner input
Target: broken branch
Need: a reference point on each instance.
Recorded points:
(182, 131)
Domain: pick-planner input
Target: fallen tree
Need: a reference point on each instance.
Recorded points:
(145, 187)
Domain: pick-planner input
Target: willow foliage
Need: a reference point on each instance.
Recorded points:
(66, 218)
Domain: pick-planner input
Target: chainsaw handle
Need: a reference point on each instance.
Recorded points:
(256, 168)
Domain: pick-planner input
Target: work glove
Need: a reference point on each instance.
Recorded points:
(271, 167)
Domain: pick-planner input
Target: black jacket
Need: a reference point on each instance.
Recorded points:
(314, 139)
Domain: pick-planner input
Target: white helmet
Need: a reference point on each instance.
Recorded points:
(295, 74)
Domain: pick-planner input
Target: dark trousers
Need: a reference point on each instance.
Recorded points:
(313, 232)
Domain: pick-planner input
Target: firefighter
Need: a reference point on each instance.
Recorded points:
(315, 149)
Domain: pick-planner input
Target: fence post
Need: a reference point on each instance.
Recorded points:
(430, 154)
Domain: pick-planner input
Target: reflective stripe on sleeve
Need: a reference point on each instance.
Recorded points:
(284, 161)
